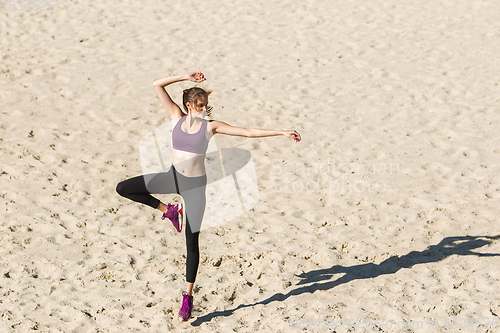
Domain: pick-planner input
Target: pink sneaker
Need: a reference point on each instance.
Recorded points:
(187, 307)
(174, 214)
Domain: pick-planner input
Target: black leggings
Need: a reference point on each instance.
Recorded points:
(192, 189)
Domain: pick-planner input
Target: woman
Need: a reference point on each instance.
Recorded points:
(187, 175)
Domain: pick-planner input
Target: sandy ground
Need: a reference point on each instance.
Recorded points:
(384, 218)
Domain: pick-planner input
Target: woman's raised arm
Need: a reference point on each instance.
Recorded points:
(159, 85)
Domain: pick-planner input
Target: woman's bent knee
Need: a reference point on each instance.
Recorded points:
(120, 189)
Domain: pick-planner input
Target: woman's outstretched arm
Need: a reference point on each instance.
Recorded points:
(159, 85)
(223, 128)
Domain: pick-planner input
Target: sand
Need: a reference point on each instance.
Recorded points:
(384, 217)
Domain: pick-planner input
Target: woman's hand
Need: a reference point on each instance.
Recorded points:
(196, 77)
(292, 134)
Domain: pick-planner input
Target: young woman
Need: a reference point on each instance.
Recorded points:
(187, 175)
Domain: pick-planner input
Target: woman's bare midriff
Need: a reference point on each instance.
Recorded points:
(188, 164)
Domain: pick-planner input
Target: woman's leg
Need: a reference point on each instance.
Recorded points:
(193, 192)
(192, 259)
(139, 188)
(195, 206)
(135, 189)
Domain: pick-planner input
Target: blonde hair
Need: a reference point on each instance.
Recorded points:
(192, 95)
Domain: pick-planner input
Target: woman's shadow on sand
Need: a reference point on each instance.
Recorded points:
(459, 245)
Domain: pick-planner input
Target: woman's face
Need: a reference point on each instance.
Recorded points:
(200, 105)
